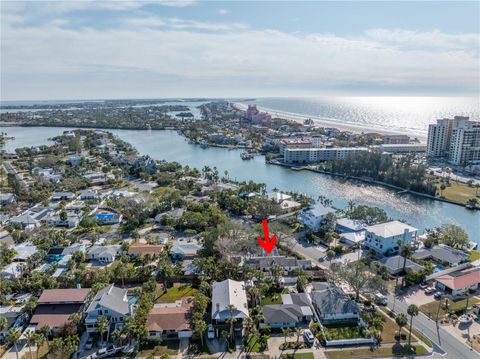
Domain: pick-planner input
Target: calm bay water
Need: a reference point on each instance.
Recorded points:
(410, 115)
(168, 145)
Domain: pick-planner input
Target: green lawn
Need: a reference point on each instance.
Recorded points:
(344, 331)
(474, 255)
(274, 296)
(395, 350)
(174, 293)
(458, 192)
(430, 309)
(253, 344)
(170, 347)
(298, 356)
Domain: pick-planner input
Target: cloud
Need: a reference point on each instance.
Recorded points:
(222, 11)
(181, 24)
(180, 57)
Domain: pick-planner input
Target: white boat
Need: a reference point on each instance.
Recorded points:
(246, 155)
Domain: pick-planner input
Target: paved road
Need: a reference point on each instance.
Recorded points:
(444, 343)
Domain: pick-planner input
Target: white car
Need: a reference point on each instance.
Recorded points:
(465, 319)
(210, 332)
(381, 299)
(308, 336)
(429, 290)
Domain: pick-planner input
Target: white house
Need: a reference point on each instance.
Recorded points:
(383, 238)
(104, 254)
(229, 299)
(312, 217)
(112, 303)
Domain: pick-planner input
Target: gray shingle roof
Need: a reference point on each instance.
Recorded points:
(112, 298)
(281, 313)
(395, 264)
(332, 300)
(441, 253)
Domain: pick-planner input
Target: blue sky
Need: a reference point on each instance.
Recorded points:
(186, 48)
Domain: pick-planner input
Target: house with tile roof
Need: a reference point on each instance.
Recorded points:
(171, 320)
(457, 283)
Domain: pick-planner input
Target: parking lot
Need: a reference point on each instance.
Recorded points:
(417, 296)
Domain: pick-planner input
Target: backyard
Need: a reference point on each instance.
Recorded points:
(298, 356)
(178, 291)
(430, 309)
(344, 331)
(273, 296)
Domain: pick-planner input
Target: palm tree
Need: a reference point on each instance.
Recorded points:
(405, 251)
(330, 255)
(412, 311)
(45, 331)
(225, 335)
(102, 325)
(30, 336)
(467, 294)
(231, 318)
(286, 332)
(12, 338)
(477, 187)
(442, 188)
(401, 320)
(298, 331)
(3, 323)
(39, 341)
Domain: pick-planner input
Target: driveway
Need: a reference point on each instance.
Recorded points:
(417, 296)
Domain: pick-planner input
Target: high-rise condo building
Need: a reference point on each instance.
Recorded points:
(457, 140)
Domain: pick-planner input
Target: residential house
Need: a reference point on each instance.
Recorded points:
(88, 194)
(95, 178)
(71, 221)
(284, 201)
(142, 249)
(174, 213)
(313, 217)
(442, 254)
(55, 306)
(394, 265)
(15, 317)
(229, 299)
(383, 238)
(56, 253)
(12, 271)
(62, 196)
(25, 222)
(171, 320)
(458, 282)
(103, 254)
(23, 251)
(6, 198)
(289, 264)
(111, 302)
(185, 249)
(294, 310)
(333, 305)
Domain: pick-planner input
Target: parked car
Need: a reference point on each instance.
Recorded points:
(465, 319)
(89, 343)
(429, 290)
(210, 332)
(438, 295)
(423, 285)
(105, 352)
(380, 299)
(308, 336)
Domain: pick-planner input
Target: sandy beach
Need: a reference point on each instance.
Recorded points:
(355, 128)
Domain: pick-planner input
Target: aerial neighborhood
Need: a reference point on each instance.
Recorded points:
(106, 252)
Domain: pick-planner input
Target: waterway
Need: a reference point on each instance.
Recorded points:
(420, 212)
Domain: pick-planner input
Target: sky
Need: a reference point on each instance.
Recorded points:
(155, 49)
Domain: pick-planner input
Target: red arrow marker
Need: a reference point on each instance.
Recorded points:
(267, 244)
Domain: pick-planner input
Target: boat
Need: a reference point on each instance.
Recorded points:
(246, 155)
(204, 145)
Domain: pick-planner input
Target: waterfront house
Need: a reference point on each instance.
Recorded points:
(103, 254)
(229, 299)
(384, 238)
(458, 282)
(394, 265)
(442, 254)
(284, 201)
(333, 305)
(171, 320)
(55, 306)
(311, 218)
(111, 302)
